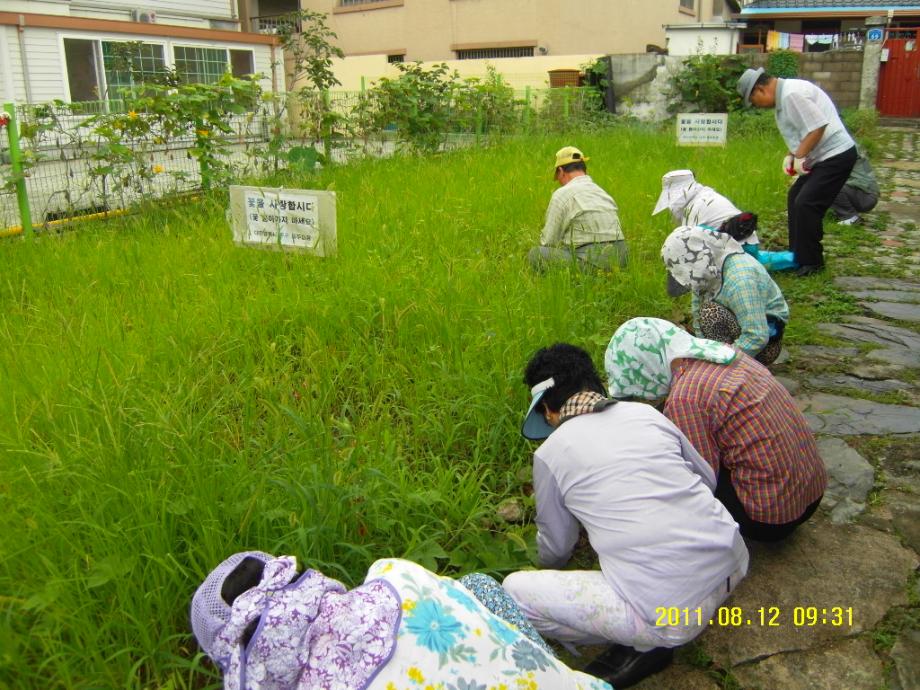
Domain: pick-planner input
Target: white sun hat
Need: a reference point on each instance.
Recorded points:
(673, 188)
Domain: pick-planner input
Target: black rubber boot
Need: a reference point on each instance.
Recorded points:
(623, 666)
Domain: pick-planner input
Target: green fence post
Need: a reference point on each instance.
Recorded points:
(22, 194)
(478, 122)
(325, 126)
(363, 85)
(565, 104)
(527, 108)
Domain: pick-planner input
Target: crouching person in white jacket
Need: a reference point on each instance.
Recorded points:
(627, 475)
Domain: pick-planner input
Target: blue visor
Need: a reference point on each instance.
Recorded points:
(535, 427)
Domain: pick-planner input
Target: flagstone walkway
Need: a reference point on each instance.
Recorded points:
(838, 604)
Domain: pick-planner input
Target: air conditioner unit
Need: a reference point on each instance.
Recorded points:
(144, 16)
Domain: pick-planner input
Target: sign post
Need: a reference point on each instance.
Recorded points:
(702, 129)
(294, 220)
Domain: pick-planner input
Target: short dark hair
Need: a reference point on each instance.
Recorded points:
(763, 80)
(574, 165)
(570, 367)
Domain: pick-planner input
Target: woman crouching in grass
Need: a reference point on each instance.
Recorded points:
(734, 412)
(734, 298)
(266, 624)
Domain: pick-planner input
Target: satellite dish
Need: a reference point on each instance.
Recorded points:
(543, 50)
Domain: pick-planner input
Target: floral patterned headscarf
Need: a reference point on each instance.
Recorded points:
(694, 257)
(312, 632)
(639, 355)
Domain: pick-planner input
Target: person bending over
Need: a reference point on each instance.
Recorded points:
(859, 194)
(734, 412)
(734, 298)
(633, 481)
(266, 624)
(820, 152)
(582, 223)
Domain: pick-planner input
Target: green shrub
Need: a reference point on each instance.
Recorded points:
(783, 63)
(708, 83)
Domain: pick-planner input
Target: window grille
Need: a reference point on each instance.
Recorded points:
(487, 53)
(200, 65)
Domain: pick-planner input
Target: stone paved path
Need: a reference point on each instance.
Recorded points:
(861, 396)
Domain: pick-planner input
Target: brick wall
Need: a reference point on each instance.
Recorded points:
(838, 72)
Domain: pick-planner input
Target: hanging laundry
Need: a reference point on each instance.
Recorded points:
(797, 43)
(772, 40)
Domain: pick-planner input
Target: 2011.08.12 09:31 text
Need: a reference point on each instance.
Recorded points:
(764, 616)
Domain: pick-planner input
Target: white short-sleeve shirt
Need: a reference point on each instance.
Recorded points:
(802, 107)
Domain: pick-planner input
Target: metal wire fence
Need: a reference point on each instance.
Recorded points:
(72, 166)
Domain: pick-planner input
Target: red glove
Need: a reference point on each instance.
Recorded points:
(789, 164)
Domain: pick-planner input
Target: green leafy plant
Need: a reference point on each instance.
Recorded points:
(707, 83)
(596, 75)
(417, 103)
(307, 44)
(783, 63)
(483, 104)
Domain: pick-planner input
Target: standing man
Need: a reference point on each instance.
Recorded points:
(632, 480)
(821, 152)
(582, 223)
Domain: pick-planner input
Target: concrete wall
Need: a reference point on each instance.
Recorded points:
(518, 72)
(432, 29)
(641, 82)
(706, 40)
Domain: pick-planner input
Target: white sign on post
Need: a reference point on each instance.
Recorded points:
(702, 129)
(299, 220)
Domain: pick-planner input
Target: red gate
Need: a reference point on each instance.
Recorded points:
(899, 79)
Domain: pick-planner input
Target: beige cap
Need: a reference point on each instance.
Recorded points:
(567, 155)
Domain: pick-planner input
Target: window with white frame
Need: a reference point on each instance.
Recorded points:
(196, 65)
(103, 70)
(688, 5)
(127, 64)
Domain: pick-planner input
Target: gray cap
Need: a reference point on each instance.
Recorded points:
(746, 84)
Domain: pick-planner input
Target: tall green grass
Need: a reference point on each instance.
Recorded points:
(168, 398)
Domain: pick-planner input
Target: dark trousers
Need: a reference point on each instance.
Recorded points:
(751, 529)
(852, 201)
(808, 201)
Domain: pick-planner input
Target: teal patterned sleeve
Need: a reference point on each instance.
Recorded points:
(741, 294)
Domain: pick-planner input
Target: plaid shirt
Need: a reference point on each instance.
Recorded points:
(580, 213)
(751, 295)
(738, 416)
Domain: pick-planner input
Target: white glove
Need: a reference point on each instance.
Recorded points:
(801, 167)
(789, 164)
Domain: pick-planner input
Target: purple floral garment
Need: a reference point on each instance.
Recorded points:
(313, 633)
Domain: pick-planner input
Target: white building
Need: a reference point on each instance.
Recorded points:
(65, 49)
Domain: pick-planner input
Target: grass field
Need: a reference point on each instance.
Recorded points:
(168, 398)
